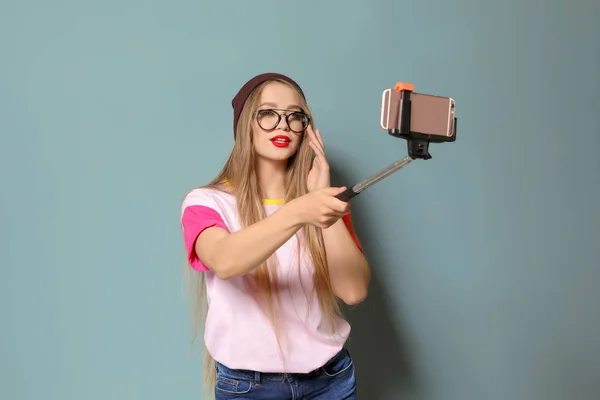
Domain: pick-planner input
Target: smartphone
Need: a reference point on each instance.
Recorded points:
(429, 114)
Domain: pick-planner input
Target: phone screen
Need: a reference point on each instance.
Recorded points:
(432, 115)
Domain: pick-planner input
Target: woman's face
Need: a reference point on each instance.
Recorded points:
(276, 137)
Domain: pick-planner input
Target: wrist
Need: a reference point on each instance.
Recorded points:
(293, 214)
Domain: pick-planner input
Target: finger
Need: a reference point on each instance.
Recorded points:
(320, 139)
(314, 154)
(312, 140)
(318, 151)
(342, 208)
(321, 145)
(316, 137)
(334, 190)
(310, 131)
(339, 206)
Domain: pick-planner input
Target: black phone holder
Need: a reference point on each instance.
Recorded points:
(417, 145)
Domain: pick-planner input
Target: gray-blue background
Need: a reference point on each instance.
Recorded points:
(486, 258)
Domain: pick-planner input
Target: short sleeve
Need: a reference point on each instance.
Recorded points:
(199, 211)
(348, 222)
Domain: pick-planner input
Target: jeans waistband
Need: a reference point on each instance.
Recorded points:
(258, 376)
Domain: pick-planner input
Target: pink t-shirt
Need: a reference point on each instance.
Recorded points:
(238, 332)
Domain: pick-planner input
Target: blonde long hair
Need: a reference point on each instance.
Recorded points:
(239, 171)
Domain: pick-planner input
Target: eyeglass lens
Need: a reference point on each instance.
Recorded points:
(270, 119)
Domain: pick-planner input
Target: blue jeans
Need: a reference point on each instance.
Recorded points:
(333, 381)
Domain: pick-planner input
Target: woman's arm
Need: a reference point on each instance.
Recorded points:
(233, 254)
(348, 268)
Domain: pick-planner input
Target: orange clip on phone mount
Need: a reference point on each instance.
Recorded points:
(417, 143)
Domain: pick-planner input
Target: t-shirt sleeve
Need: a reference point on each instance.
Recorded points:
(199, 211)
(348, 222)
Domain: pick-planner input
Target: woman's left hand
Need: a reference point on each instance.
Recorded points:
(318, 176)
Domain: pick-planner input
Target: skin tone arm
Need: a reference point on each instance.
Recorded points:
(348, 268)
(233, 254)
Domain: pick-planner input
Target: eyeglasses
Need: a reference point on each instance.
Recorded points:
(269, 119)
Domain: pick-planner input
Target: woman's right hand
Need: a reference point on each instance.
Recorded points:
(320, 207)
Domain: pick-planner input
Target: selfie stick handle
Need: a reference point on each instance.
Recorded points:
(365, 183)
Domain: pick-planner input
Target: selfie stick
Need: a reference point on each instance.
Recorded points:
(417, 144)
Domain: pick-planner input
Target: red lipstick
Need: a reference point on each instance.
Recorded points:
(280, 141)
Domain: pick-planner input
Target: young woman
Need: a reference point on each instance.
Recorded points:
(275, 250)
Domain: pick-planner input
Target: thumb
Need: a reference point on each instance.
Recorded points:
(334, 191)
